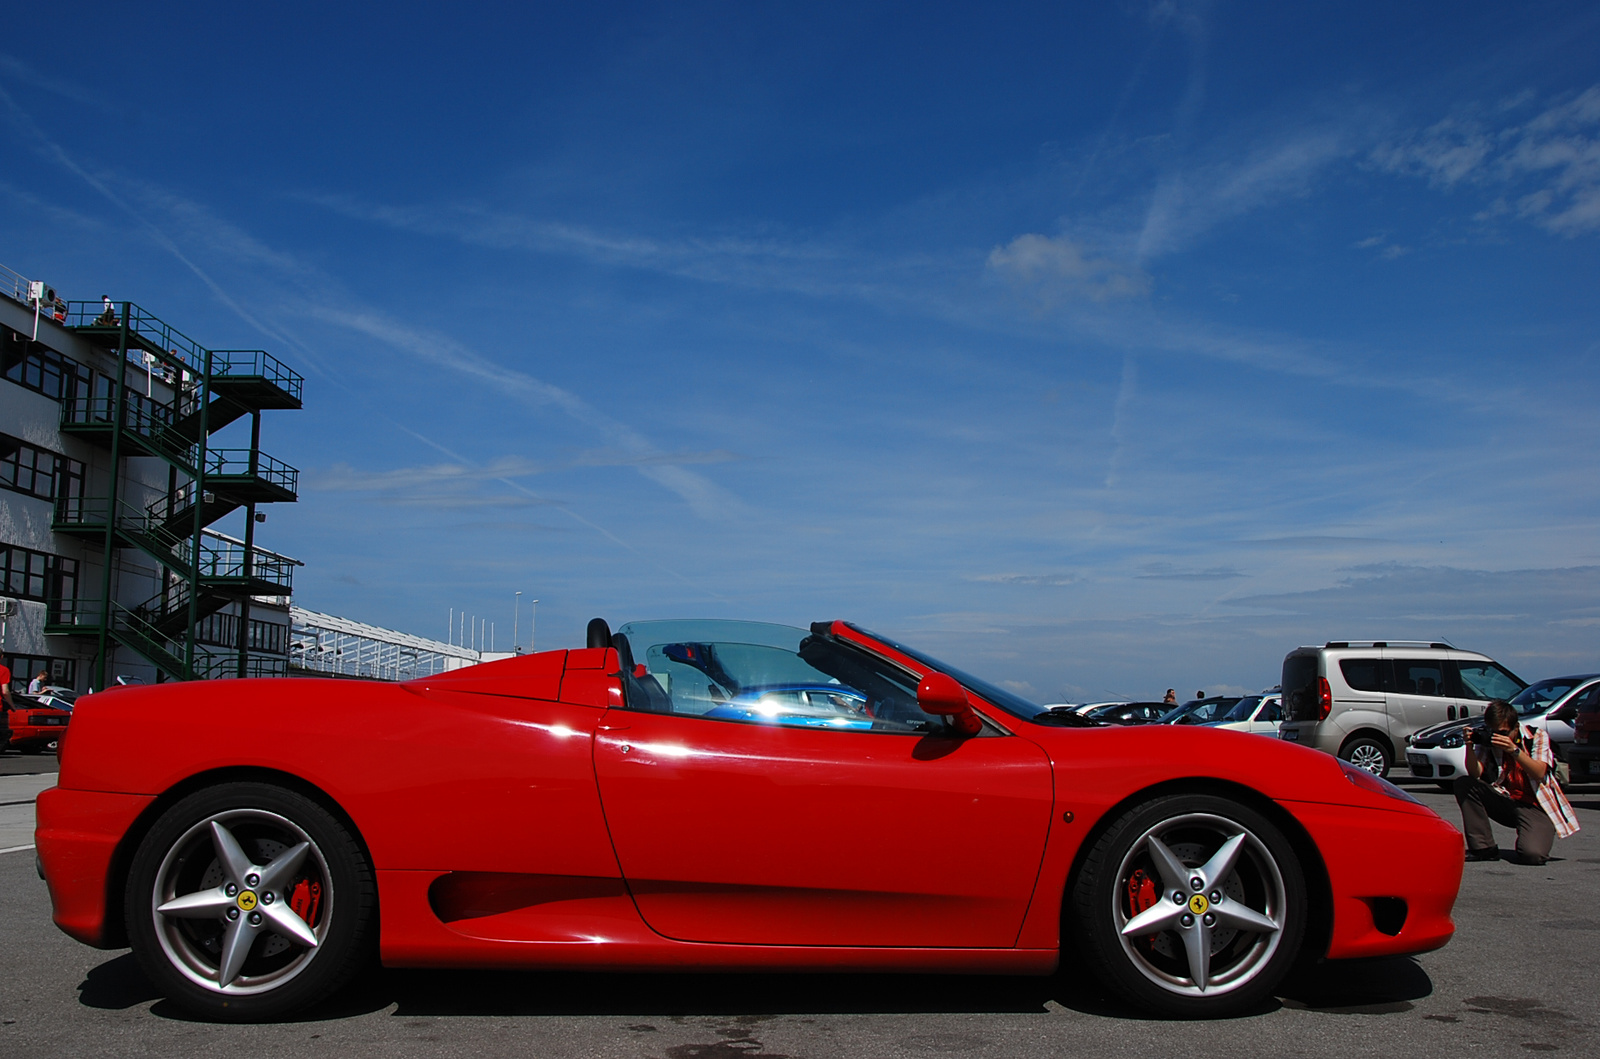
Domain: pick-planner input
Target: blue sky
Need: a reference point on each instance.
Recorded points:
(1100, 348)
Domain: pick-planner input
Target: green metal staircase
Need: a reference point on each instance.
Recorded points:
(201, 571)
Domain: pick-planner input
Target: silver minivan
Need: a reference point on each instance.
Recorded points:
(1360, 699)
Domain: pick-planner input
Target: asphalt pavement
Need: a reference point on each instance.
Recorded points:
(1517, 977)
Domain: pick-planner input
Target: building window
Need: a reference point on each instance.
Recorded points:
(39, 576)
(38, 472)
(222, 630)
(42, 369)
(63, 671)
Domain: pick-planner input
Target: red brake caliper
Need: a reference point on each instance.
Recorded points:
(305, 900)
(1141, 895)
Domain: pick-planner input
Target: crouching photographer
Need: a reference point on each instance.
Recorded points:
(1511, 779)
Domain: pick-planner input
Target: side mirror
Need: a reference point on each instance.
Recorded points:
(941, 696)
(1566, 713)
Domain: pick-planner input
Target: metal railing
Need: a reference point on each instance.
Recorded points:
(251, 463)
(220, 557)
(256, 363)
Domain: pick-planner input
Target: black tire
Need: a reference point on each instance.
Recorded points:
(183, 857)
(30, 749)
(1369, 753)
(1155, 971)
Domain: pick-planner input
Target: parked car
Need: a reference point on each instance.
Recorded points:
(1583, 756)
(1080, 707)
(36, 724)
(1259, 714)
(1128, 713)
(302, 828)
(1199, 711)
(1361, 699)
(1439, 752)
(57, 698)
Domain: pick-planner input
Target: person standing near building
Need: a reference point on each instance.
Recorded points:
(36, 685)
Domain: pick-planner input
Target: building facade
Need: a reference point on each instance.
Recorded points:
(132, 487)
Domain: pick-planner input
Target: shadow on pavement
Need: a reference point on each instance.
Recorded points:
(116, 985)
(1381, 986)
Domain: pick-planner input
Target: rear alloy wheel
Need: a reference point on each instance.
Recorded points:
(1367, 754)
(1191, 906)
(248, 901)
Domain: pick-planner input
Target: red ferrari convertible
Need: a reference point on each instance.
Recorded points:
(716, 796)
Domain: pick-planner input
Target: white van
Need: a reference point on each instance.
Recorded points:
(1360, 699)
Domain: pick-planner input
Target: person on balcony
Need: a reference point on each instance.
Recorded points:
(109, 317)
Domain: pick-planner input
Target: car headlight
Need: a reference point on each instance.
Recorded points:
(1453, 740)
(1368, 782)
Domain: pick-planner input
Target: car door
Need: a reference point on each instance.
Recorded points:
(758, 834)
(1558, 723)
(1478, 681)
(740, 817)
(1417, 696)
(1268, 715)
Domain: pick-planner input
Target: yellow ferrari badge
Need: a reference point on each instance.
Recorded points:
(247, 900)
(1197, 904)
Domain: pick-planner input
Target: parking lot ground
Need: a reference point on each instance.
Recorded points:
(1518, 977)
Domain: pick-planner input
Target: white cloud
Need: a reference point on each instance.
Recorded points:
(1059, 267)
(1552, 161)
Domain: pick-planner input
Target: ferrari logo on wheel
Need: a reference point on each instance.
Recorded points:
(247, 900)
(1197, 904)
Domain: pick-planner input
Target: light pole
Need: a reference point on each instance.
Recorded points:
(533, 623)
(516, 613)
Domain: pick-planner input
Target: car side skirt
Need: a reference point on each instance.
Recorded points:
(593, 925)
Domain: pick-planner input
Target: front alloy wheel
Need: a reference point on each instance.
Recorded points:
(248, 901)
(1192, 906)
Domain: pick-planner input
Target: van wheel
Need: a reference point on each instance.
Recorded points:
(1367, 754)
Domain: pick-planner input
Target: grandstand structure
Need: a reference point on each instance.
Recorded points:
(327, 645)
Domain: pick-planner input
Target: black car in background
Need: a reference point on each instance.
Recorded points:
(1199, 711)
(1129, 712)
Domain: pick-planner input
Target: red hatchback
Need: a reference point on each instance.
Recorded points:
(717, 795)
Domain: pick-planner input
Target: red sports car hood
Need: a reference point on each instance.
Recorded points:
(1282, 771)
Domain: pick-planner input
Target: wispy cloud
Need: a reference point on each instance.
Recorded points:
(1549, 165)
(704, 497)
(1053, 268)
(1036, 580)
(1168, 572)
(14, 69)
(1191, 202)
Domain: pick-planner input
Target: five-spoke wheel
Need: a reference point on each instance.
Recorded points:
(248, 901)
(1193, 906)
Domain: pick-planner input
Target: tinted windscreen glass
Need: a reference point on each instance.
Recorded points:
(1242, 710)
(1485, 680)
(1363, 674)
(1300, 687)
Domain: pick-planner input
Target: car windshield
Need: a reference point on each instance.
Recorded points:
(1115, 709)
(1009, 701)
(757, 673)
(1242, 710)
(1536, 698)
